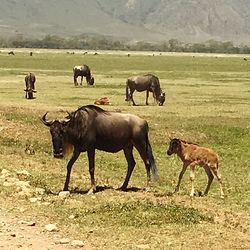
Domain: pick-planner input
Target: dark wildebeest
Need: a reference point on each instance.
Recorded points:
(83, 71)
(30, 80)
(90, 128)
(193, 155)
(148, 83)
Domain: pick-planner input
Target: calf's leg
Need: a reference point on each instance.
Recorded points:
(210, 179)
(192, 176)
(184, 168)
(216, 173)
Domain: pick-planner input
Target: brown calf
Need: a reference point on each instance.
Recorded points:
(193, 155)
(102, 101)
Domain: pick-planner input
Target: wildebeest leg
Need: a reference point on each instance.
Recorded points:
(74, 157)
(131, 96)
(215, 171)
(210, 179)
(184, 168)
(91, 157)
(147, 94)
(75, 80)
(81, 79)
(128, 152)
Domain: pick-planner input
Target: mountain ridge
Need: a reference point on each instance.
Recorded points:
(135, 20)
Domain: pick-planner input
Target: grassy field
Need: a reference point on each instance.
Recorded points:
(208, 102)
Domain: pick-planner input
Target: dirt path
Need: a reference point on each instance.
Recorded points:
(17, 233)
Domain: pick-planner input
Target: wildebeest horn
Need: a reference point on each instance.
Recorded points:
(64, 121)
(45, 121)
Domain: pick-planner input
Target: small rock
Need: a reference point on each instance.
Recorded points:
(23, 173)
(64, 194)
(5, 173)
(72, 216)
(34, 199)
(8, 184)
(64, 241)
(51, 228)
(77, 243)
(40, 191)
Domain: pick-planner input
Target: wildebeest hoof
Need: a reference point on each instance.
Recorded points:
(200, 194)
(124, 189)
(91, 191)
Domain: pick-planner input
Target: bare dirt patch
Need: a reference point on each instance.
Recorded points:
(18, 232)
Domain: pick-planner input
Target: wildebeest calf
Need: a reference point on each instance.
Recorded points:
(102, 101)
(192, 155)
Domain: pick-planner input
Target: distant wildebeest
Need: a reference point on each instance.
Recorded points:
(148, 83)
(30, 80)
(90, 128)
(193, 155)
(83, 71)
(11, 53)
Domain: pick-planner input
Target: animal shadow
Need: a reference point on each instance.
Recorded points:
(98, 189)
(131, 189)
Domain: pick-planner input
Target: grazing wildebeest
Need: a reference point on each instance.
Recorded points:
(30, 80)
(90, 128)
(148, 83)
(83, 71)
(11, 53)
(193, 155)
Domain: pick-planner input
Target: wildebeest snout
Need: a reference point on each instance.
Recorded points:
(169, 152)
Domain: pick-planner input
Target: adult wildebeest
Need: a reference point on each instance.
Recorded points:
(83, 71)
(193, 155)
(90, 128)
(30, 80)
(148, 83)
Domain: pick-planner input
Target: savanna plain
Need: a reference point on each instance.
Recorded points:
(207, 102)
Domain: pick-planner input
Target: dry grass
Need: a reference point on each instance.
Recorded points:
(207, 103)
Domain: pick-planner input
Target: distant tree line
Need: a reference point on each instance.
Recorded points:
(86, 42)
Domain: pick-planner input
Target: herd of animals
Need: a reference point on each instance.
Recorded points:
(90, 128)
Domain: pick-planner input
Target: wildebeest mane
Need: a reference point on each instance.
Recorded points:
(92, 107)
(81, 119)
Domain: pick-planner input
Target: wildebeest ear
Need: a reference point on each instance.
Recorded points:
(46, 121)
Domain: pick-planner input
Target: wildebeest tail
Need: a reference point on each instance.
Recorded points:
(151, 159)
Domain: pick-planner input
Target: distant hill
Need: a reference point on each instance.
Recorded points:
(134, 20)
